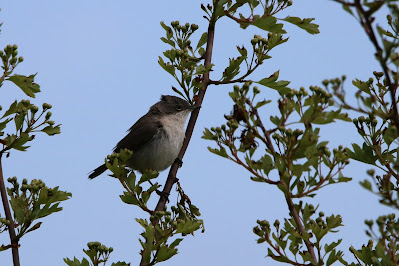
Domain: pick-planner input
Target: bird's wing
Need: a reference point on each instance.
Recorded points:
(139, 135)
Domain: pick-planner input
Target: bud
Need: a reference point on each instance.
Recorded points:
(20, 59)
(48, 115)
(33, 109)
(47, 106)
(194, 27)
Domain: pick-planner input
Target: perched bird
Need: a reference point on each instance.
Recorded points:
(157, 137)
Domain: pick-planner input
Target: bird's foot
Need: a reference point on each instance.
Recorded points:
(163, 194)
(179, 162)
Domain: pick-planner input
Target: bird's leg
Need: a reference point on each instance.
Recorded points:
(162, 194)
(179, 162)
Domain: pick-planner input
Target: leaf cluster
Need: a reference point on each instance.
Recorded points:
(183, 58)
(30, 202)
(290, 236)
(97, 253)
(28, 120)
(162, 225)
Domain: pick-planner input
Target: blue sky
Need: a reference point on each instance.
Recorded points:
(97, 65)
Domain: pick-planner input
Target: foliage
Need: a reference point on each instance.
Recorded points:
(161, 226)
(34, 200)
(97, 253)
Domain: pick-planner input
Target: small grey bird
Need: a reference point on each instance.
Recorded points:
(157, 137)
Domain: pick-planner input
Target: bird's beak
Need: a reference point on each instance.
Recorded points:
(194, 107)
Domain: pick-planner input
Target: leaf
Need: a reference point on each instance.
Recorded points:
(129, 198)
(4, 123)
(267, 164)
(331, 246)
(304, 24)
(170, 42)
(257, 179)
(120, 263)
(26, 84)
(389, 135)
(188, 227)
(221, 152)
(202, 40)
(233, 69)
(76, 262)
(51, 131)
(36, 226)
(167, 67)
(271, 82)
(12, 110)
(148, 175)
(169, 32)
(207, 134)
(165, 253)
(18, 144)
(176, 242)
(364, 154)
(269, 23)
(19, 121)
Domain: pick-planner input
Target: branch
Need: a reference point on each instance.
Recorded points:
(301, 229)
(11, 228)
(366, 23)
(193, 118)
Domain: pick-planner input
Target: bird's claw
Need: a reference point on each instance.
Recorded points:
(179, 162)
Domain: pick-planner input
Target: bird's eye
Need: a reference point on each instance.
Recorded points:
(178, 108)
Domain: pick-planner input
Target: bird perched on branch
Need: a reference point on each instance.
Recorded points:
(157, 137)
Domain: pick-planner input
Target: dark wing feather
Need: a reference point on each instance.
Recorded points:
(139, 134)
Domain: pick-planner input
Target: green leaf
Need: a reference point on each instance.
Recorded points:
(188, 227)
(389, 135)
(165, 253)
(169, 32)
(271, 82)
(4, 123)
(330, 247)
(51, 130)
(36, 226)
(267, 164)
(20, 141)
(46, 210)
(221, 152)
(170, 42)
(120, 263)
(148, 175)
(233, 69)
(129, 198)
(364, 154)
(304, 24)
(26, 84)
(366, 184)
(207, 134)
(19, 121)
(257, 179)
(202, 40)
(167, 67)
(176, 242)
(76, 262)
(269, 23)
(12, 110)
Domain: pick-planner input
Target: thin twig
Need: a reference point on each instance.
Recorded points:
(300, 227)
(367, 25)
(11, 228)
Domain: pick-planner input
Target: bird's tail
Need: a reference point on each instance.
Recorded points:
(98, 171)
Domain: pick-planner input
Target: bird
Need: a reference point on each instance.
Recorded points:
(156, 138)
